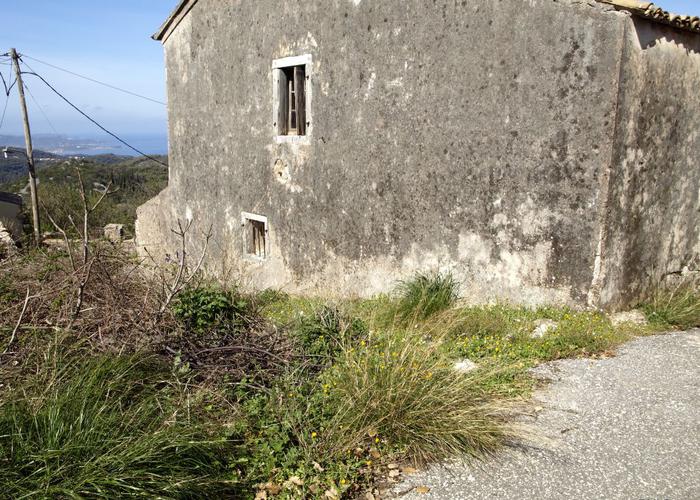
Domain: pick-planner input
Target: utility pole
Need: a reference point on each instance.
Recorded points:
(29, 150)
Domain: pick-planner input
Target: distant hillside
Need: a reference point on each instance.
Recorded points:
(137, 180)
(15, 165)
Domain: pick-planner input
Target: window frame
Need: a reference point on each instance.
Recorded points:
(278, 68)
(246, 218)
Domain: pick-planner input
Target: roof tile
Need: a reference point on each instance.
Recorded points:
(657, 14)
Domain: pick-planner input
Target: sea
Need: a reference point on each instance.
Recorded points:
(136, 144)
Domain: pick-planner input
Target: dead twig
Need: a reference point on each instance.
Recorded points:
(182, 277)
(19, 322)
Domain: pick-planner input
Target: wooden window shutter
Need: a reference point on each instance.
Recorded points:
(300, 87)
(283, 106)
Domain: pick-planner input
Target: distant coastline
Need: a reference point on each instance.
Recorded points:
(151, 144)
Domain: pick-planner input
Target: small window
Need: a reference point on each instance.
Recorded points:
(254, 235)
(292, 118)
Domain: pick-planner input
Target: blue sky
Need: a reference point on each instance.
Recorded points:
(108, 40)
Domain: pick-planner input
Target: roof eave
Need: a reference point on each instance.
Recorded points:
(173, 20)
(647, 10)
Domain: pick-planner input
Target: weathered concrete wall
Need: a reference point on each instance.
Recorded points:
(654, 211)
(473, 136)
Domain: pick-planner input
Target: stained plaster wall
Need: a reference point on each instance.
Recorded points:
(653, 221)
(472, 136)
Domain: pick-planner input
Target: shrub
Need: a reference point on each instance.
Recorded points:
(203, 309)
(678, 307)
(424, 295)
(402, 391)
(323, 333)
(107, 427)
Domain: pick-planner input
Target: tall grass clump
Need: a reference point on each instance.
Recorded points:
(424, 295)
(677, 307)
(401, 390)
(104, 427)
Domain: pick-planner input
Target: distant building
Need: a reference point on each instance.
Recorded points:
(540, 150)
(11, 214)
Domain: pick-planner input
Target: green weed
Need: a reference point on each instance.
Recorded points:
(203, 309)
(104, 427)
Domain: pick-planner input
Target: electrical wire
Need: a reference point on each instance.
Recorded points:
(2, 119)
(4, 84)
(92, 80)
(93, 120)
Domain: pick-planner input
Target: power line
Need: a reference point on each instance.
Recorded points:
(94, 121)
(7, 101)
(93, 80)
(4, 84)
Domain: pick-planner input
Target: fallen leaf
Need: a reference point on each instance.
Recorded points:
(394, 473)
(393, 466)
(422, 490)
(370, 496)
(332, 494)
(261, 495)
(375, 454)
(409, 470)
(318, 467)
(272, 488)
(293, 481)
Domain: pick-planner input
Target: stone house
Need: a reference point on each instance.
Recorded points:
(11, 214)
(540, 150)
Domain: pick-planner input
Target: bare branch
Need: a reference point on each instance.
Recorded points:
(105, 193)
(58, 228)
(19, 322)
(181, 280)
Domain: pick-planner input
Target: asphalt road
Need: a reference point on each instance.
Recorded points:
(624, 427)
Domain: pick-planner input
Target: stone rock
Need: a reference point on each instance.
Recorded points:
(114, 232)
(7, 243)
(543, 327)
(635, 317)
(465, 366)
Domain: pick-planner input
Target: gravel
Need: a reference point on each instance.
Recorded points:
(622, 427)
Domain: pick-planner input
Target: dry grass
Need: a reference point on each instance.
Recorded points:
(401, 389)
(677, 307)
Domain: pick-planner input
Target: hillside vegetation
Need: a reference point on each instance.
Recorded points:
(136, 179)
(14, 167)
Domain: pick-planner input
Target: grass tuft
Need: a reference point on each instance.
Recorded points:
(103, 427)
(400, 390)
(424, 295)
(677, 307)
